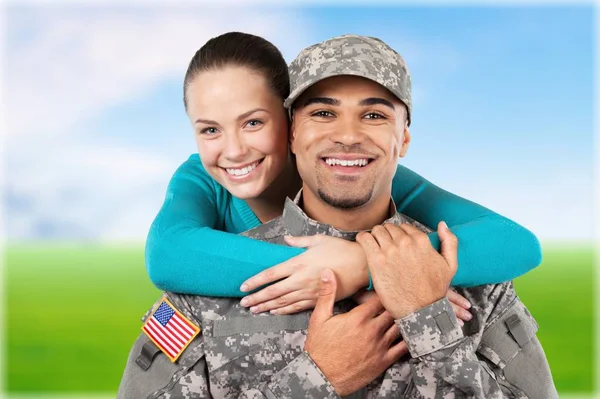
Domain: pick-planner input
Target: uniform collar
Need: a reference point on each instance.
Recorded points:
(297, 223)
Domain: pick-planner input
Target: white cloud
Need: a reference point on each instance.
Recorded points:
(2, 138)
(81, 191)
(553, 205)
(65, 66)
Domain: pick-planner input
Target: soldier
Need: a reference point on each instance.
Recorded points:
(350, 106)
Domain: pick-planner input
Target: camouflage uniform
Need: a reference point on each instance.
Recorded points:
(241, 355)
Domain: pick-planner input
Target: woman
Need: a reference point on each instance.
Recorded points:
(233, 93)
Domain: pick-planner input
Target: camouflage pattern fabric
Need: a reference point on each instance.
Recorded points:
(241, 355)
(363, 56)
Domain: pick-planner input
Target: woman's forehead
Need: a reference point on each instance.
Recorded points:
(229, 92)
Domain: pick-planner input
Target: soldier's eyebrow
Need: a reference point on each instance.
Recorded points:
(321, 100)
(375, 101)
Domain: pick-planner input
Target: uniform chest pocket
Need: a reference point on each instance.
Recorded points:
(254, 348)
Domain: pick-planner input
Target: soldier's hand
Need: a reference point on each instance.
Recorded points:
(459, 303)
(354, 348)
(300, 276)
(408, 273)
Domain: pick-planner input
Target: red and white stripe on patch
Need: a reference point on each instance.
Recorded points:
(170, 331)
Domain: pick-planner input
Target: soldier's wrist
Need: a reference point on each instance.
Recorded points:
(430, 328)
(405, 306)
(328, 374)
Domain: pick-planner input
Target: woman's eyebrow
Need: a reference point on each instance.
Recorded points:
(206, 121)
(240, 117)
(247, 114)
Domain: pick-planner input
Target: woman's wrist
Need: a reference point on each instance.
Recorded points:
(365, 277)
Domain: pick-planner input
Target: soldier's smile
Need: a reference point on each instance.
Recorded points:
(347, 164)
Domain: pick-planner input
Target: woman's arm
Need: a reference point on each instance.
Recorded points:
(186, 252)
(491, 248)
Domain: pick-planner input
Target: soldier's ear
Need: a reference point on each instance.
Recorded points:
(405, 141)
(292, 133)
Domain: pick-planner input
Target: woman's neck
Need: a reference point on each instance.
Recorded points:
(269, 204)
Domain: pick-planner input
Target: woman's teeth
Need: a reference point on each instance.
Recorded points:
(242, 171)
(346, 162)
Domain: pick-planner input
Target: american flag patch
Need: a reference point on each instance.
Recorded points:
(171, 331)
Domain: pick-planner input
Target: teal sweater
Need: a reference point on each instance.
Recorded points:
(191, 249)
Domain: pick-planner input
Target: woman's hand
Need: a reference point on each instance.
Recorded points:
(461, 306)
(300, 276)
(459, 303)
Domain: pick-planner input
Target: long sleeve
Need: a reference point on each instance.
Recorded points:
(242, 376)
(301, 378)
(446, 361)
(492, 248)
(187, 253)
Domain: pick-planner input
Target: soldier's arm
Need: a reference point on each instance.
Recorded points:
(301, 378)
(160, 378)
(444, 360)
(150, 374)
(511, 362)
(298, 379)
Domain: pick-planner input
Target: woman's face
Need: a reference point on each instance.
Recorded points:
(240, 127)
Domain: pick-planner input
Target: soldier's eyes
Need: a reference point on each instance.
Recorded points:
(322, 114)
(374, 115)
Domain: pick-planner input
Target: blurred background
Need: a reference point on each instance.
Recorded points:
(95, 127)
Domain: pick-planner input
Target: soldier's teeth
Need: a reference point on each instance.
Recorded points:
(242, 171)
(346, 162)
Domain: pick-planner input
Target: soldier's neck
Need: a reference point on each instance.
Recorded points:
(365, 217)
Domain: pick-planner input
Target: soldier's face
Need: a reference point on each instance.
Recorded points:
(240, 127)
(348, 133)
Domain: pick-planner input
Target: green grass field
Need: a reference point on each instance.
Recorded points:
(74, 311)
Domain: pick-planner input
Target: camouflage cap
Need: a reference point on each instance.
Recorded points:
(355, 55)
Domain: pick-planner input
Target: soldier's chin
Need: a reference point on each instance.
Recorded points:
(344, 200)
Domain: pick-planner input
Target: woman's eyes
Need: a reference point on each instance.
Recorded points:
(209, 130)
(254, 123)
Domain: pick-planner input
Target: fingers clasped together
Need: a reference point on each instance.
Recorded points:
(391, 253)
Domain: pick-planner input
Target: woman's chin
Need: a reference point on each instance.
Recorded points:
(245, 193)
(245, 187)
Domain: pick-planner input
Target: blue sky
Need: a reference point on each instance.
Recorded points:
(502, 115)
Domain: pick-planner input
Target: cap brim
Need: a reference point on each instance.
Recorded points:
(301, 89)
